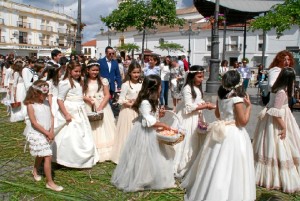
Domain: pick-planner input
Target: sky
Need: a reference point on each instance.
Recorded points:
(91, 11)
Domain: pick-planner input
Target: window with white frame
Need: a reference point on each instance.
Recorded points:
(260, 42)
(234, 42)
(208, 42)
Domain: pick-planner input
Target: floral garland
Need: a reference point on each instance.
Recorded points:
(93, 64)
(44, 89)
(236, 86)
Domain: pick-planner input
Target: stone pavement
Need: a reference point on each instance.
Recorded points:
(256, 108)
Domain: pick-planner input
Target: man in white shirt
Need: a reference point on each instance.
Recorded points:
(246, 74)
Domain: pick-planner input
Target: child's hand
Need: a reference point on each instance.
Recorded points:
(50, 136)
(162, 112)
(68, 118)
(211, 106)
(282, 134)
(247, 100)
(89, 101)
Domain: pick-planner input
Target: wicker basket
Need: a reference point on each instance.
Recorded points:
(172, 120)
(95, 116)
(15, 104)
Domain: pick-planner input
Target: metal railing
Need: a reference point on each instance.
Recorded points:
(23, 24)
(46, 28)
(45, 42)
(23, 40)
(2, 39)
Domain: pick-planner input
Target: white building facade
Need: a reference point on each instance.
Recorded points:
(30, 31)
(201, 43)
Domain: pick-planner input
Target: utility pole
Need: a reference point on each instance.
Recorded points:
(78, 34)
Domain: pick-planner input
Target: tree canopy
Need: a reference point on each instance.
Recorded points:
(170, 47)
(281, 17)
(128, 47)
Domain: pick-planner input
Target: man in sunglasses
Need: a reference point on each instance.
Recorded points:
(109, 69)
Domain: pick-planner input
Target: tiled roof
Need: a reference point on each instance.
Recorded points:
(90, 43)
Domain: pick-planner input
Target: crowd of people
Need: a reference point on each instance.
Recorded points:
(55, 99)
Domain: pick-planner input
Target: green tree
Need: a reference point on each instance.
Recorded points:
(281, 17)
(170, 47)
(143, 14)
(128, 47)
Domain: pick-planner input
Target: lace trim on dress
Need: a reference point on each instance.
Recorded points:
(275, 112)
(288, 164)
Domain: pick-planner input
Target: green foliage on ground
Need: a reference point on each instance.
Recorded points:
(16, 181)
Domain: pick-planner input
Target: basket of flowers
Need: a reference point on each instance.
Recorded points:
(173, 136)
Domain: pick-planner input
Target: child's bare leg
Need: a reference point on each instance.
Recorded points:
(37, 164)
(49, 181)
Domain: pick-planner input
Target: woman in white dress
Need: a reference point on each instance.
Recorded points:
(73, 145)
(96, 96)
(189, 112)
(19, 93)
(129, 93)
(224, 168)
(142, 165)
(276, 140)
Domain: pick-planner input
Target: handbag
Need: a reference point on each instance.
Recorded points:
(94, 115)
(15, 104)
(202, 127)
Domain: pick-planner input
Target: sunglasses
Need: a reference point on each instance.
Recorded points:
(111, 53)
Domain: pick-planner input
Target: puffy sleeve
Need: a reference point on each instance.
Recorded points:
(280, 100)
(105, 81)
(189, 105)
(63, 89)
(237, 100)
(124, 90)
(272, 76)
(145, 110)
(16, 78)
(27, 76)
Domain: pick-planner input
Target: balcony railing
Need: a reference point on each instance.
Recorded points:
(45, 42)
(61, 30)
(1, 21)
(46, 28)
(23, 40)
(23, 24)
(2, 39)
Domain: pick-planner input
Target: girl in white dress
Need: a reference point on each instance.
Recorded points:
(96, 95)
(129, 93)
(276, 140)
(224, 168)
(41, 131)
(142, 165)
(73, 145)
(189, 112)
(19, 92)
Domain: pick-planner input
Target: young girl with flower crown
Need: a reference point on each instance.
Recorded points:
(96, 97)
(142, 165)
(73, 145)
(129, 92)
(189, 112)
(224, 168)
(276, 141)
(40, 132)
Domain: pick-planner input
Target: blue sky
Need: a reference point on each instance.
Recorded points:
(91, 10)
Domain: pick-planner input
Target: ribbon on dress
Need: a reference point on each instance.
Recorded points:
(262, 113)
(217, 130)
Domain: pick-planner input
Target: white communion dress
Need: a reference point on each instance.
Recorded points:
(277, 161)
(103, 131)
(186, 151)
(73, 145)
(19, 113)
(129, 92)
(224, 168)
(142, 165)
(38, 143)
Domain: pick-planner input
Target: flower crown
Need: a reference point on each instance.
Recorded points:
(44, 88)
(198, 71)
(236, 86)
(93, 64)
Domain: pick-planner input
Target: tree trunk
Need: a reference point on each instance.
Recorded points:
(143, 42)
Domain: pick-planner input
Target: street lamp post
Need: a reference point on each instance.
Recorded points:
(78, 35)
(189, 32)
(212, 84)
(108, 34)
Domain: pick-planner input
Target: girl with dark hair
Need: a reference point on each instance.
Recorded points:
(142, 165)
(190, 112)
(19, 92)
(41, 131)
(129, 92)
(73, 145)
(225, 161)
(96, 97)
(276, 140)
(153, 66)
